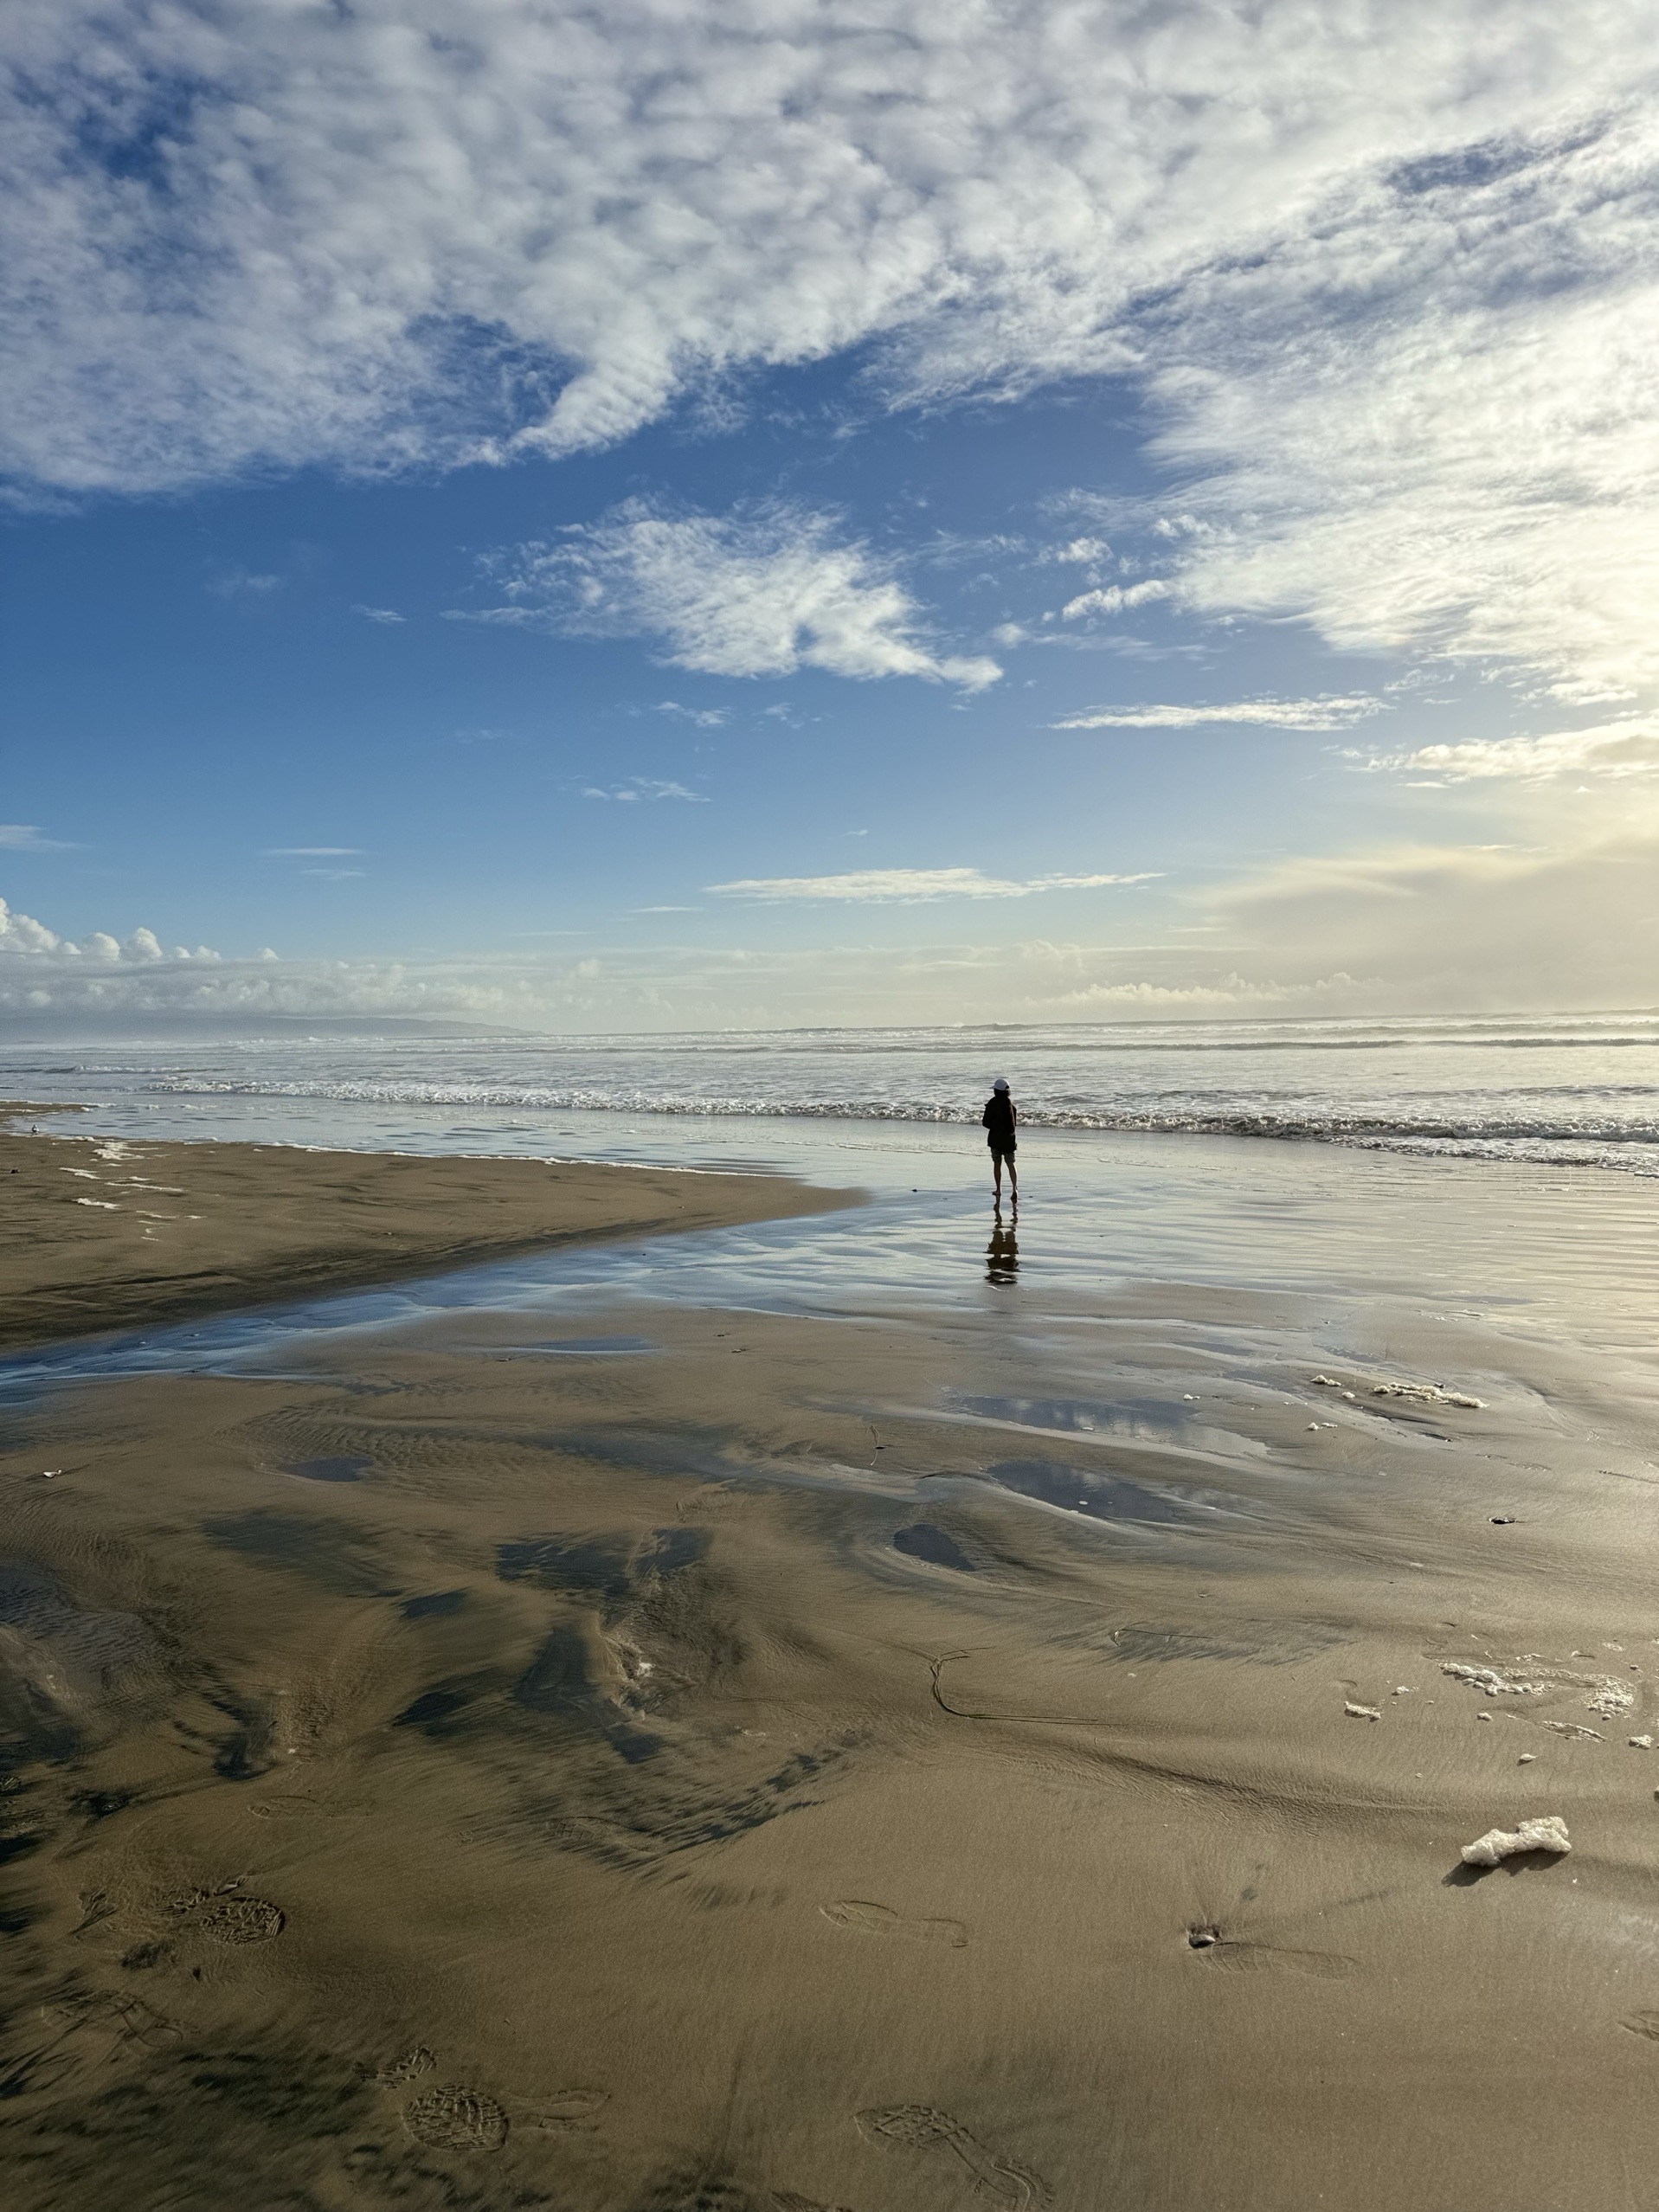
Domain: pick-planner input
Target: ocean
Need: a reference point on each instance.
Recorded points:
(1578, 1090)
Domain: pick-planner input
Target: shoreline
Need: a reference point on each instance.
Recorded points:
(109, 1233)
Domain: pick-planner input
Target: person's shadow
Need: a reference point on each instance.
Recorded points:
(1002, 1255)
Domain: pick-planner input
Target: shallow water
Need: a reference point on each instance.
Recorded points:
(1569, 1252)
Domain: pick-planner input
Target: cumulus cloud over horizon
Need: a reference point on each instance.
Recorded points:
(24, 939)
(102, 982)
(1385, 272)
(1409, 930)
(652, 988)
(763, 591)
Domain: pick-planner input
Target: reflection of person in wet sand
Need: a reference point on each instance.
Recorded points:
(1002, 1255)
(998, 1122)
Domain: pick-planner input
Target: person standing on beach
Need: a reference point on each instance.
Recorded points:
(998, 1122)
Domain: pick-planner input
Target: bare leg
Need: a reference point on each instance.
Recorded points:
(1013, 1180)
(996, 1170)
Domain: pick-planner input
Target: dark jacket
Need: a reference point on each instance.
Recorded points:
(998, 1122)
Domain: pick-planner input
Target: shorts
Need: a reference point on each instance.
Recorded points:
(1001, 1151)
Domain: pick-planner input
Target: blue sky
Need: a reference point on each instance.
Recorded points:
(750, 515)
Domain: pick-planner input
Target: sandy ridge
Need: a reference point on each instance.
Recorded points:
(102, 1234)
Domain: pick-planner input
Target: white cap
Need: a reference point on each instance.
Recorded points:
(1002, 1083)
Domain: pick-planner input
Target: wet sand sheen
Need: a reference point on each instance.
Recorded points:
(768, 1762)
(105, 1234)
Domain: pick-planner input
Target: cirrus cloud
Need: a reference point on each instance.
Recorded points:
(1329, 713)
(904, 887)
(766, 590)
(641, 790)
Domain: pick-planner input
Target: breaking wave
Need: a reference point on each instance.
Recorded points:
(1627, 1139)
(1550, 1091)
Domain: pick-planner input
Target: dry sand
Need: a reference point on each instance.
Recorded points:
(101, 1233)
(896, 1766)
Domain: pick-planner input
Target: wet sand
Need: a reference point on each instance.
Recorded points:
(102, 1233)
(762, 1762)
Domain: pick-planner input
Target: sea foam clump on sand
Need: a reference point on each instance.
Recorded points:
(1547, 1833)
(1608, 1695)
(1421, 1393)
(1495, 1684)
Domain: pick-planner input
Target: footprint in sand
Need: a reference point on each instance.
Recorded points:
(454, 2119)
(298, 1809)
(1230, 1955)
(244, 1920)
(880, 1919)
(924, 2127)
(96, 1905)
(579, 1833)
(568, 2112)
(785, 2200)
(409, 2068)
(127, 2019)
(1642, 2024)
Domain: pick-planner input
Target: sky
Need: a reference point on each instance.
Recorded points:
(756, 513)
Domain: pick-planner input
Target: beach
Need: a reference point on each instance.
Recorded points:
(639, 1743)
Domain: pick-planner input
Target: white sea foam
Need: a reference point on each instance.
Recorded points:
(1493, 1683)
(1547, 1833)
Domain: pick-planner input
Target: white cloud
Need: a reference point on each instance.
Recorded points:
(1329, 713)
(24, 837)
(1612, 751)
(1112, 598)
(1079, 552)
(312, 852)
(700, 717)
(642, 788)
(21, 934)
(764, 591)
(379, 614)
(1459, 453)
(1088, 883)
(904, 887)
(28, 947)
(1386, 273)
